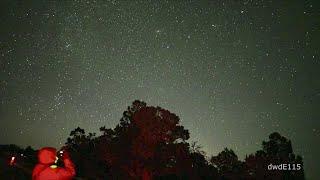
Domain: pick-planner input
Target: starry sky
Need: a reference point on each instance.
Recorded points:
(233, 71)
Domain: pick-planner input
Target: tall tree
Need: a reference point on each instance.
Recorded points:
(134, 143)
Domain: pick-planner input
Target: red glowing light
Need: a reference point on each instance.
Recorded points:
(12, 161)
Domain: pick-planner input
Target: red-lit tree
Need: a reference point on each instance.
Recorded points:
(133, 147)
(158, 128)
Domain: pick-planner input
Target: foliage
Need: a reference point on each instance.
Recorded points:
(149, 143)
(276, 151)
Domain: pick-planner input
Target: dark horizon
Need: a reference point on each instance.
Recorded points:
(233, 71)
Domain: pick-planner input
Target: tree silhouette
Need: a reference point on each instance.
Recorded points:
(134, 144)
(149, 143)
(83, 152)
(276, 151)
(77, 137)
(128, 115)
(228, 164)
(202, 169)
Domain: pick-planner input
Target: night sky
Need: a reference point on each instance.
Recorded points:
(233, 71)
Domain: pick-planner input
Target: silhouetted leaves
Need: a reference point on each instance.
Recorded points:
(276, 151)
(228, 164)
(149, 143)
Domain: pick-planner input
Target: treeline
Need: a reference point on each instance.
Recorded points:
(149, 143)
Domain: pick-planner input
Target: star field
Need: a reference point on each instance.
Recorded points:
(233, 71)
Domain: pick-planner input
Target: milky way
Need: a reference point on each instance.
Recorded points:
(233, 71)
